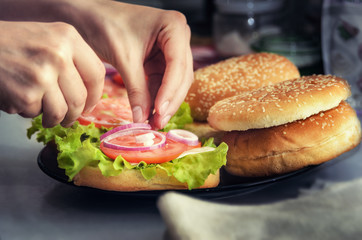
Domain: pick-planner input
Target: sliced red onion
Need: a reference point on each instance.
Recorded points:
(126, 126)
(183, 136)
(110, 70)
(108, 144)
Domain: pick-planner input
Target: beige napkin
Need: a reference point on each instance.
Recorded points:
(334, 212)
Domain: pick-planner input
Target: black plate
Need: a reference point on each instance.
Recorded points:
(229, 185)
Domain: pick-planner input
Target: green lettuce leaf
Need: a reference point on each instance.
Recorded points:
(208, 142)
(180, 118)
(193, 169)
(45, 135)
(72, 158)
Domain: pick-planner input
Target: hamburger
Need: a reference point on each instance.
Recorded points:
(105, 150)
(284, 127)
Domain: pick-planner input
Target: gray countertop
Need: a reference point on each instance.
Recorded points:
(35, 206)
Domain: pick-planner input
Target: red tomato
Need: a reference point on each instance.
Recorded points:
(109, 112)
(117, 78)
(113, 89)
(170, 151)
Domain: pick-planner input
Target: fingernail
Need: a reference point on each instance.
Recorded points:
(70, 124)
(137, 114)
(165, 121)
(164, 107)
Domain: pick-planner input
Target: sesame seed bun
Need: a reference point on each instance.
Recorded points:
(280, 103)
(292, 146)
(236, 75)
(132, 180)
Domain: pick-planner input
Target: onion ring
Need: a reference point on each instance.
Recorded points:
(110, 70)
(183, 136)
(126, 127)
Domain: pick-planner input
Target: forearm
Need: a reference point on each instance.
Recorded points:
(34, 10)
(85, 15)
(74, 12)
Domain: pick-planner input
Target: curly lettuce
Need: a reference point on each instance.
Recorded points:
(180, 118)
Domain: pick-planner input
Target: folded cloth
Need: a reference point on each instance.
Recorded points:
(334, 212)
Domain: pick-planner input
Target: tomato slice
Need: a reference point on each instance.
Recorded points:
(113, 89)
(170, 151)
(109, 112)
(117, 78)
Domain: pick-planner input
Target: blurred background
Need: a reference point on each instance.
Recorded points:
(318, 36)
(226, 28)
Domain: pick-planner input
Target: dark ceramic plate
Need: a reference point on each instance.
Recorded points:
(229, 185)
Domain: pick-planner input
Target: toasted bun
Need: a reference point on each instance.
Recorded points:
(289, 147)
(236, 75)
(132, 180)
(204, 130)
(280, 103)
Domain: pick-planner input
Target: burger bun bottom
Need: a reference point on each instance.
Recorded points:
(289, 147)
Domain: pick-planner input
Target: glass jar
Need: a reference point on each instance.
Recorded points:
(304, 52)
(237, 23)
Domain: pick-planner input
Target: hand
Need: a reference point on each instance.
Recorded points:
(47, 68)
(141, 41)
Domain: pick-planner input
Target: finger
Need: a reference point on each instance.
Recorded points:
(24, 101)
(32, 110)
(154, 84)
(54, 107)
(177, 78)
(91, 71)
(137, 89)
(18, 97)
(169, 107)
(155, 69)
(74, 93)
